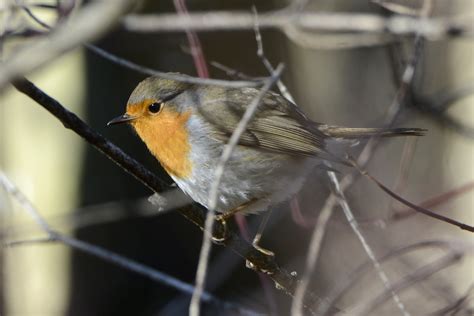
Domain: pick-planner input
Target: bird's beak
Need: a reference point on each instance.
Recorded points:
(122, 119)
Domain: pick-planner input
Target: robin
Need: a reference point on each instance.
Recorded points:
(186, 126)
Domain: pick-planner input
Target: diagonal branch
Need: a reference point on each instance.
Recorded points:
(102, 253)
(370, 253)
(416, 276)
(214, 189)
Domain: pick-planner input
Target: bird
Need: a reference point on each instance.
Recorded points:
(186, 127)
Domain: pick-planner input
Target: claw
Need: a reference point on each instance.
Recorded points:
(220, 240)
(263, 251)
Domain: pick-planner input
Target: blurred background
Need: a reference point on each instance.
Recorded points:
(83, 194)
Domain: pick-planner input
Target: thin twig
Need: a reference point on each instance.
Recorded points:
(89, 23)
(415, 207)
(267, 286)
(455, 306)
(312, 257)
(410, 279)
(113, 211)
(145, 70)
(401, 214)
(364, 157)
(356, 275)
(355, 227)
(298, 217)
(199, 62)
(234, 73)
(214, 189)
(196, 51)
(34, 17)
(99, 252)
(392, 113)
(203, 72)
(434, 201)
(194, 43)
(171, 76)
(261, 54)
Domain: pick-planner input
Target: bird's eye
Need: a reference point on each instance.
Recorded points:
(155, 107)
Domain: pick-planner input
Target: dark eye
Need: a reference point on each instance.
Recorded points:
(155, 107)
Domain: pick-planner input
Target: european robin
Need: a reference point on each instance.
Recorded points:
(186, 126)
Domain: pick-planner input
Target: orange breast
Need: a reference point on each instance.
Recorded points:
(167, 137)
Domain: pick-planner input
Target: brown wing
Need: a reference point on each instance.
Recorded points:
(277, 125)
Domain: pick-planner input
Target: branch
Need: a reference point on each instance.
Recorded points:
(214, 189)
(433, 201)
(415, 207)
(173, 76)
(15, 67)
(455, 307)
(313, 255)
(90, 23)
(102, 253)
(355, 227)
(357, 274)
(434, 28)
(410, 279)
(349, 179)
(284, 280)
(194, 43)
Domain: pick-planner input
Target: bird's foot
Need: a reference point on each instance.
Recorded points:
(224, 233)
(263, 251)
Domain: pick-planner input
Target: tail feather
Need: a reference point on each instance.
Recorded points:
(358, 133)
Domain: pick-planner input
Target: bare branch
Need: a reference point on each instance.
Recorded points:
(453, 308)
(355, 227)
(415, 207)
(89, 23)
(352, 278)
(172, 76)
(410, 279)
(434, 200)
(313, 254)
(214, 189)
(234, 73)
(261, 54)
(152, 72)
(194, 43)
(104, 254)
(434, 28)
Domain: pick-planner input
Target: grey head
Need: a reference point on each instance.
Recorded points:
(156, 88)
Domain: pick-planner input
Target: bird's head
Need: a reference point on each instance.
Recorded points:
(160, 119)
(152, 102)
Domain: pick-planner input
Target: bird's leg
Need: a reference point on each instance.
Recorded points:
(258, 235)
(222, 218)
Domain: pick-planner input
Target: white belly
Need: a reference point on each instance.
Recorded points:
(250, 175)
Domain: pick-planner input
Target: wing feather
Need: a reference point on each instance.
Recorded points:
(276, 126)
